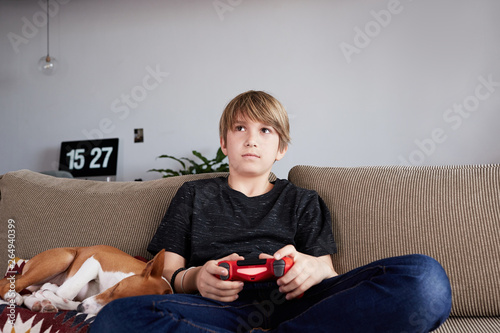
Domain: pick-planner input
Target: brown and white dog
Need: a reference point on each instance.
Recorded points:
(84, 279)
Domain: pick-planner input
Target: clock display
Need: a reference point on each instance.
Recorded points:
(89, 158)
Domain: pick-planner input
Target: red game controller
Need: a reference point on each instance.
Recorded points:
(256, 269)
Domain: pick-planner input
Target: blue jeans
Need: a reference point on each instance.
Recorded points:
(402, 294)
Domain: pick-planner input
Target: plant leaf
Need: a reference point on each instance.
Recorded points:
(213, 165)
(201, 157)
(220, 156)
(173, 158)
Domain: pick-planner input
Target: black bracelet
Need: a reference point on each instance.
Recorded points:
(172, 280)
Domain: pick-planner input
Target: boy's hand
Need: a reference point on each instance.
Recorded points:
(306, 271)
(210, 285)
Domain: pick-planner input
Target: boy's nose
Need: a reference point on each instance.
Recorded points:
(251, 140)
(251, 143)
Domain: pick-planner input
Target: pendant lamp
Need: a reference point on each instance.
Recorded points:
(47, 64)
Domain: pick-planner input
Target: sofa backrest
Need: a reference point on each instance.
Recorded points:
(449, 213)
(47, 212)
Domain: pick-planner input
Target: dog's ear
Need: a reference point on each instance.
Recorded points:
(155, 267)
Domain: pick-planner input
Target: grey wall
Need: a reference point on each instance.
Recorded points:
(365, 82)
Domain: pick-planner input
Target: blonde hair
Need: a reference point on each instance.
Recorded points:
(257, 106)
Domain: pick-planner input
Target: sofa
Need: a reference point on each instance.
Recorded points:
(451, 213)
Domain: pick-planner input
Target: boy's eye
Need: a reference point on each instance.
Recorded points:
(266, 130)
(240, 128)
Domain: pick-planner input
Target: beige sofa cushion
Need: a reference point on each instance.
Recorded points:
(53, 212)
(449, 213)
(470, 325)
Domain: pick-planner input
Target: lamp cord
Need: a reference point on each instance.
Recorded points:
(48, 40)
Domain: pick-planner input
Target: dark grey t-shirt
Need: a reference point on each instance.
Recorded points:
(207, 220)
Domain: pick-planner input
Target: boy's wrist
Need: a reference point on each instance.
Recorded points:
(183, 283)
(174, 282)
(188, 280)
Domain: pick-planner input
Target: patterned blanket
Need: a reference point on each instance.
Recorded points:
(22, 320)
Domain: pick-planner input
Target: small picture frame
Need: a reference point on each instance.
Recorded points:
(138, 135)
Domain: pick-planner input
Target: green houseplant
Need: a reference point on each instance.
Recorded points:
(191, 167)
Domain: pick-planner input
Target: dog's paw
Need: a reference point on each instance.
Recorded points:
(48, 307)
(57, 302)
(43, 306)
(33, 303)
(13, 298)
(36, 307)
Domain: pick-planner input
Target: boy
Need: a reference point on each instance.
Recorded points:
(246, 216)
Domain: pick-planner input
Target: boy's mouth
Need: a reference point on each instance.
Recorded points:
(251, 155)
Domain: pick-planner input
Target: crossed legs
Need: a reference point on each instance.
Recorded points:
(409, 293)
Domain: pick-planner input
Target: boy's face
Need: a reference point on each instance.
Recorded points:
(251, 147)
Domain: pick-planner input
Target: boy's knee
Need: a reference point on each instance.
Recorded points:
(431, 292)
(430, 276)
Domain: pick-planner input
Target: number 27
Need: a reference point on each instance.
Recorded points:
(97, 152)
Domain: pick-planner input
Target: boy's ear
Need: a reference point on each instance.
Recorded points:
(281, 153)
(223, 145)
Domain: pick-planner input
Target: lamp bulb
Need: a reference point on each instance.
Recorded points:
(47, 65)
